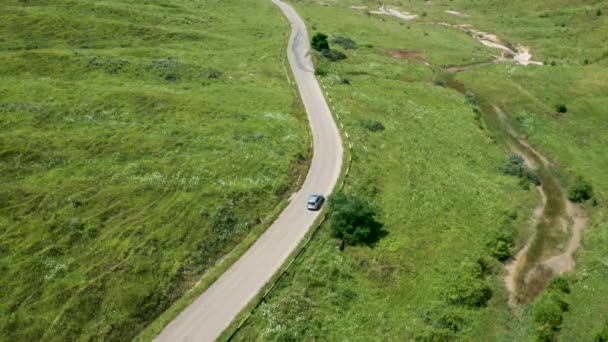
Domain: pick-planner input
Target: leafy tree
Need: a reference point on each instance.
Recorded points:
(353, 219)
(580, 191)
(319, 42)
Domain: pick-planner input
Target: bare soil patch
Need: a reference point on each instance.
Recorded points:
(406, 54)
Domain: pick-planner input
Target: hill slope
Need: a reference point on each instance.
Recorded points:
(140, 142)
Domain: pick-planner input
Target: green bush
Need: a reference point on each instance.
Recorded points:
(516, 166)
(320, 71)
(333, 55)
(468, 287)
(442, 323)
(319, 42)
(559, 284)
(561, 108)
(547, 316)
(213, 73)
(503, 250)
(439, 82)
(470, 98)
(372, 125)
(580, 191)
(345, 42)
(547, 310)
(353, 219)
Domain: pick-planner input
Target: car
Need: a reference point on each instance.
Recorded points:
(315, 201)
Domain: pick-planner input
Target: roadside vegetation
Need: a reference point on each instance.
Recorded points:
(141, 141)
(455, 201)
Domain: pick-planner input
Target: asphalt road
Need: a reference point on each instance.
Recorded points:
(214, 310)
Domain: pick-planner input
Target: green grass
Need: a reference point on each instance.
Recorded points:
(128, 164)
(436, 176)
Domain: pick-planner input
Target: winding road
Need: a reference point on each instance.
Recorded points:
(214, 310)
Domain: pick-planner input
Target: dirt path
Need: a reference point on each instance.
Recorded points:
(520, 54)
(395, 13)
(528, 275)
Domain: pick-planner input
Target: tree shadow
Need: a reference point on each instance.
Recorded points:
(376, 233)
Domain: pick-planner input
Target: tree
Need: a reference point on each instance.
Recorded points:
(319, 42)
(353, 219)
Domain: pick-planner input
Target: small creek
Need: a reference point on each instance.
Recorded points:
(556, 223)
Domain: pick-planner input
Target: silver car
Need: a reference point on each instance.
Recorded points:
(315, 201)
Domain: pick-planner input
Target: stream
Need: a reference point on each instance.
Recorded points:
(557, 223)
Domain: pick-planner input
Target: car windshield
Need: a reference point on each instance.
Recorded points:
(313, 199)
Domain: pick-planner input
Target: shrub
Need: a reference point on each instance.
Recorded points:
(75, 201)
(470, 98)
(320, 71)
(516, 166)
(548, 309)
(439, 82)
(212, 73)
(559, 284)
(561, 108)
(353, 219)
(333, 55)
(580, 191)
(345, 81)
(345, 42)
(468, 287)
(372, 125)
(319, 42)
(503, 250)
(224, 223)
(442, 324)
(547, 316)
(599, 12)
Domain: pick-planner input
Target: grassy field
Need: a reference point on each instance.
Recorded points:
(436, 176)
(140, 142)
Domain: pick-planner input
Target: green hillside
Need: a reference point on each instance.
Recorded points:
(140, 142)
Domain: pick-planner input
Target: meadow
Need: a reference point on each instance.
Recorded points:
(140, 142)
(435, 174)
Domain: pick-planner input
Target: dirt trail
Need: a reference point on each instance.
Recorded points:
(527, 275)
(520, 54)
(395, 13)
